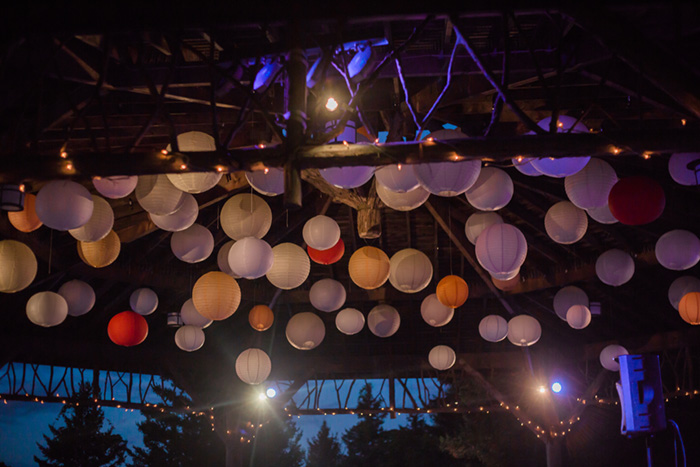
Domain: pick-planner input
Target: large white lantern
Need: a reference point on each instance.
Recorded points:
(246, 215)
(565, 223)
(222, 259)
(678, 168)
(17, 266)
(567, 297)
(253, 366)
(143, 301)
(590, 187)
(290, 266)
(609, 355)
(47, 309)
(410, 270)
(181, 219)
(563, 166)
(435, 313)
(115, 187)
(192, 245)
(602, 215)
(321, 232)
(397, 178)
(157, 195)
(305, 331)
(493, 328)
(491, 191)
(268, 182)
(195, 182)
(501, 249)
(191, 317)
(524, 166)
(327, 295)
(403, 201)
(347, 177)
(383, 320)
(189, 338)
(250, 258)
(448, 178)
(578, 316)
(350, 321)
(524, 330)
(614, 267)
(680, 287)
(442, 357)
(100, 223)
(478, 222)
(64, 205)
(678, 250)
(79, 297)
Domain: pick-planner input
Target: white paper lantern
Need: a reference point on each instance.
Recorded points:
(491, 191)
(578, 316)
(614, 267)
(189, 338)
(410, 270)
(609, 354)
(79, 297)
(181, 219)
(501, 249)
(435, 313)
(192, 245)
(493, 328)
(290, 267)
(64, 205)
(143, 301)
(47, 309)
(157, 195)
(403, 201)
(448, 178)
(590, 187)
(116, 186)
(268, 182)
(524, 330)
(17, 266)
(563, 166)
(383, 320)
(565, 223)
(100, 223)
(195, 182)
(678, 250)
(678, 168)
(253, 366)
(191, 317)
(567, 297)
(347, 177)
(524, 166)
(321, 232)
(350, 321)
(305, 331)
(246, 215)
(602, 215)
(478, 222)
(222, 259)
(250, 258)
(442, 357)
(397, 178)
(680, 287)
(327, 295)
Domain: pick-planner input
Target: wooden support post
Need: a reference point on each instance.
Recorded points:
(369, 223)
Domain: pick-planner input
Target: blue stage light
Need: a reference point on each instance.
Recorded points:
(556, 387)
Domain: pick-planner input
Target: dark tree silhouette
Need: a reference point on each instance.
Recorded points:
(366, 441)
(417, 444)
(276, 443)
(324, 449)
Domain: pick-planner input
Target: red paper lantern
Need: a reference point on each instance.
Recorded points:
(636, 200)
(329, 256)
(127, 329)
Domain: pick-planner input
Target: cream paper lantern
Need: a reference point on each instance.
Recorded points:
(216, 295)
(442, 357)
(563, 166)
(590, 187)
(195, 182)
(403, 201)
(678, 168)
(305, 331)
(397, 178)
(524, 330)
(192, 245)
(435, 313)
(501, 249)
(491, 191)
(100, 223)
(568, 296)
(246, 215)
(79, 297)
(321, 232)
(608, 356)
(116, 186)
(18, 266)
(268, 182)
(157, 195)
(680, 287)
(602, 215)
(290, 266)
(250, 258)
(222, 259)
(369, 267)
(191, 317)
(524, 165)
(410, 270)
(678, 250)
(614, 267)
(565, 223)
(578, 316)
(64, 205)
(493, 328)
(383, 320)
(478, 222)
(143, 301)
(350, 321)
(347, 177)
(181, 219)
(327, 295)
(101, 253)
(47, 309)
(189, 338)
(253, 366)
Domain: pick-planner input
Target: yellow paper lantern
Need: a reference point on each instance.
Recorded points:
(216, 295)
(261, 317)
(102, 252)
(689, 308)
(17, 266)
(369, 267)
(25, 221)
(452, 291)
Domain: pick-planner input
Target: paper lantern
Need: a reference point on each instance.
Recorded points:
(680, 287)
(614, 267)
(435, 313)
(321, 232)
(636, 200)
(191, 317)
(116, 186)
(506, 284)
(383, 320)
(143, 301)
(127, 329)
(250, 258)
(602, 215)
(100, 223)
(246, 215)
(101, 253)
(268, 182)
(447, 178)
(347, 177)
(578, 316)
(442, 357)
(563, 166)
(305, 331)
(261, 317)
(64, 205)
(397, 178)
(567, 297)
(608, 356)
(189, 338)
(327, 295)
(17, 266)
(452, 291)
(410, 270)
(369, 267)
(79, 297)
(329, 256)
(222, 259)
(403, 201)
(192, 245)
(689, 308)
(290, 266)
(181, 219)
(493, 328)
(47, 309)
(349, 321)
(678, 250)
(565, 223)
(678, 168)
(491, 191)
(26, 220)
(590, 187)
(524, 166)
(253, 366)
(524, 330)
(216, 295)
(501, 248)
(195, 182)
(157, 195)
(478, 222)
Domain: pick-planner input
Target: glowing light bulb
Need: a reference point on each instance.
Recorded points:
(331, 104)
(556, 387)
(542, 389)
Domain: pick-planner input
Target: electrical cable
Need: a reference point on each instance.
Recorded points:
(680, 439)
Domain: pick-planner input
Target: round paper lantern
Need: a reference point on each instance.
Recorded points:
(157, 195)
(478, 222)
(614, 267)
(192, 245)
(403, 201)
(410, 270)
(290, 266)
(397, 178)
(689, 308)
(268, 182)
(563, 166)
(143, 301)
(578, 316)
(678, 168)
(246, 215)
(680, 287)
(250, 257)
(435, 313)
(64, 205)
(195, 182)
(501, 248)
(79, 297)
(452, 291)
(189, 338)
(590, 187)
(678, 250)
(100, 223)
(17, 266)
(115, 186)
(101, 253)
(127, 329)
(493, 328)
(350, 321)
(261, 317)
(305, 331)
(524, 330)
(567, 297)
(329, 256)
(447, 178)
(216, 295)
(491, 191)
(222, 259)
(181, 219)
(524, 166)
(191, 317)
(347, 177)
(609, 355)
(565, 223)
(369, 267)
(327, 295)
(636, 200)
(321, 232)
(383, 320)
(253, 366)
(47, 309)
(602, 215)
(26, 220)
(506, 284)
(442, 357)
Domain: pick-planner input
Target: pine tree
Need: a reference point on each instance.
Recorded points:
(324, 449)
(276, 443)
(366, 441)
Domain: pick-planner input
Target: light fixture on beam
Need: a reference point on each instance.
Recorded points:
(266, 75)
(12, 197)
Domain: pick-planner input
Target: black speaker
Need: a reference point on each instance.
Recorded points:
(641, 395)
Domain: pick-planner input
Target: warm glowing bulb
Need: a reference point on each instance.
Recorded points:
(519, 158)
(683, 121)
(21, 187)
(266, 171)
(345, 143)
(429, 139)
(69, 166)
(164, 152)
(542, 389)
(64, 154)
(646, 155)
(331, 104)
(376, 140)
(183, 166)
(219, 168)
(398, 167)
(262, 396)
(560, 124)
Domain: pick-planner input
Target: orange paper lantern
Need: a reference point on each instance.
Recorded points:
(452, 291)
(369, 267)
(127, 329)
(216, 295)
(506, 285)
(102, 252)
(689, 308)
(261, 317)
(329, 256)
(26, 220)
